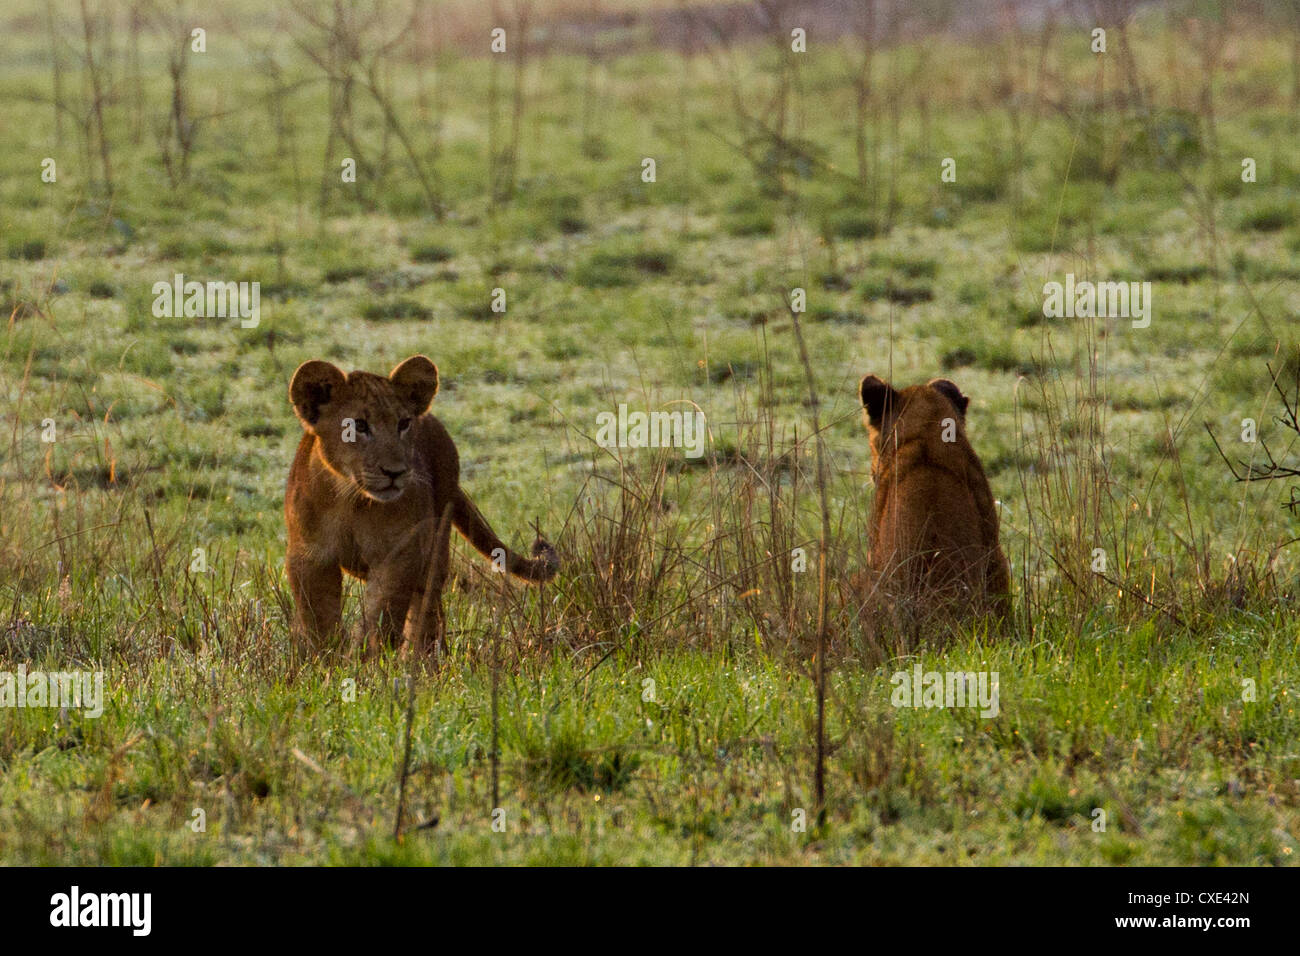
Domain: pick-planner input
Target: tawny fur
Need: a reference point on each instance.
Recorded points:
(934, 525)
(370, 507)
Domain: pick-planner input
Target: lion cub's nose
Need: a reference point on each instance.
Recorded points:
(394, 475)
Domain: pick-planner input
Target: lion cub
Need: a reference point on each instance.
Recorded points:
(372, 490)
(934, 527)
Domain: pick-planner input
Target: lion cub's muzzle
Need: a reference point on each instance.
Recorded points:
(389, 487)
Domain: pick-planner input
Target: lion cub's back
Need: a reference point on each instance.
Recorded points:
(439, 460)
(928, 509)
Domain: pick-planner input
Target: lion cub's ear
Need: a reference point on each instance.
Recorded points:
(950, 391)
(878, 397)
(416, 382)
(314, 385)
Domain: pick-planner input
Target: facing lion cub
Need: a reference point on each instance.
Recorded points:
(934, 527)
(370, 492)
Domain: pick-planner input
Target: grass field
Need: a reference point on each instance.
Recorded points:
(656, 702)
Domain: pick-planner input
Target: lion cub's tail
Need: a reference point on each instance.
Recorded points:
(470, 522)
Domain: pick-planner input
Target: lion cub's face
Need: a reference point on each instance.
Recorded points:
(893, 418)
(364, 421)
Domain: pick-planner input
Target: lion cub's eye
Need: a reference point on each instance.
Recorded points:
(363, 426)
(404, 424)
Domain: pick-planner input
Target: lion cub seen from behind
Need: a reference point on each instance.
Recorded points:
(371, 492)
(934, 525)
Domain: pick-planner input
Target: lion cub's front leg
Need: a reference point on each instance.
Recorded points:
(388, 600)
(318, 599)
(396, 589)
(426, 625)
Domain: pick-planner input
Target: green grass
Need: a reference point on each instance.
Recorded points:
(1121, 693)
(1152, 732)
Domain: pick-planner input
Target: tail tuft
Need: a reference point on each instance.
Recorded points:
(545, 559)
